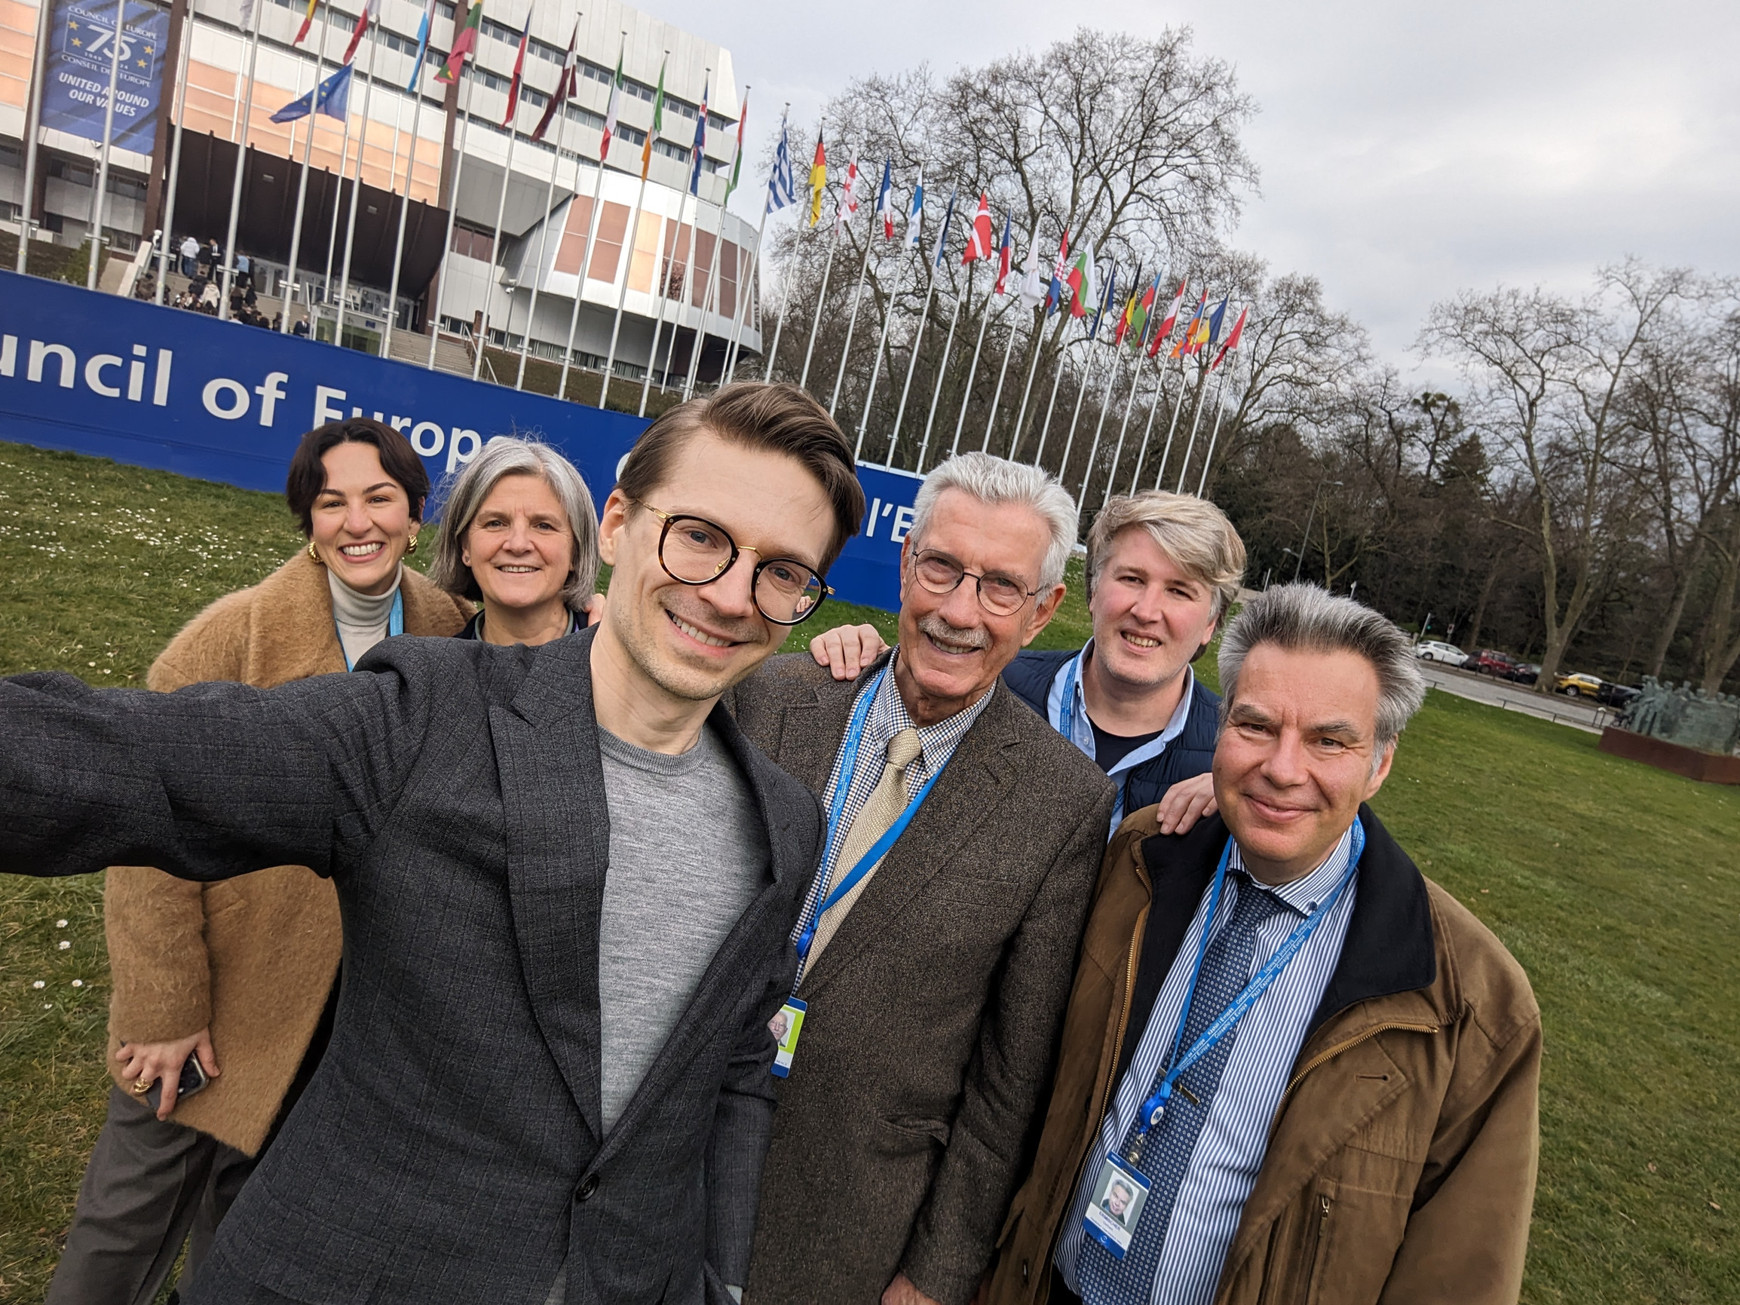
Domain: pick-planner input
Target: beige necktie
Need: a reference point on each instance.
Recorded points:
(885, 805)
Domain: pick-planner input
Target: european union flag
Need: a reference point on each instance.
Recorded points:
(331, 97)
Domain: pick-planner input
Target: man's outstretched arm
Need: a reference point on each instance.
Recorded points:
(208, 782)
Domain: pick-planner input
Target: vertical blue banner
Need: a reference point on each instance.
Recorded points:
(81, 45)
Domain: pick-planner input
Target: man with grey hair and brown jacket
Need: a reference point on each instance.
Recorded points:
(937, 945)
(1313, 1070)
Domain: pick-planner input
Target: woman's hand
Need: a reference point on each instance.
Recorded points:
(146, 1062)
(847, 649)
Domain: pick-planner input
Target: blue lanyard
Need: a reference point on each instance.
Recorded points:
(1065, 722)
(1155, 1106)
(843, 786)
(395, 625)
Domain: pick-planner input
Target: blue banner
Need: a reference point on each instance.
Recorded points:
(75, 95)
(183, 392)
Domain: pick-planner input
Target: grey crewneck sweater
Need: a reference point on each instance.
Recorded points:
(361, 618)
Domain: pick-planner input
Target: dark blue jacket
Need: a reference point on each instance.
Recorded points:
(1191, 753)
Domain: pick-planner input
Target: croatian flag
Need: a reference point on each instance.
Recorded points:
(1163, 331)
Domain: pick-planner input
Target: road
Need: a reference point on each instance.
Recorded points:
(1575, 712)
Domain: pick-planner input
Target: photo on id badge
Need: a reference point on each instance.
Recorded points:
(1116, 1206)
(785, 1027)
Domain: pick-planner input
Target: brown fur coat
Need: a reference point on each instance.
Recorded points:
(250, 958)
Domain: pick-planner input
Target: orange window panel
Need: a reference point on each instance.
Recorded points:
(646, 244)
(574, 230)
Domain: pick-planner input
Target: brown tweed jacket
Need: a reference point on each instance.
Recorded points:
(251, 958)
(934, 1012)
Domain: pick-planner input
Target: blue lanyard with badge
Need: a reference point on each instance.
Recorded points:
(395, 625)
(1120, 1190)
(786, 1025)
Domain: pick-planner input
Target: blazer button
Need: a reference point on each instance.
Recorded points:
(588, 1187)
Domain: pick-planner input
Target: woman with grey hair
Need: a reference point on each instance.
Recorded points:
(519, 534)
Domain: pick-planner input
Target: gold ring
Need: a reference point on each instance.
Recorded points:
(141, 1087)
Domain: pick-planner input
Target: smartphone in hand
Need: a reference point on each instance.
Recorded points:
(193, 1079)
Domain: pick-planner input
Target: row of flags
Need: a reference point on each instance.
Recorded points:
(332, 96)
(1074, 280)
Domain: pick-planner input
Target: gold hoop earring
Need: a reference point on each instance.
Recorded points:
(411, 547)
(314, 556)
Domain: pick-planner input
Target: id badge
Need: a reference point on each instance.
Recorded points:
(785, 1028)
(1115, 1207)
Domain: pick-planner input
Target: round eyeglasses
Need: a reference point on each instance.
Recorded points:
(695, 551)
(1000, 595)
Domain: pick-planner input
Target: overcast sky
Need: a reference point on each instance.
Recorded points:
(1407, 150)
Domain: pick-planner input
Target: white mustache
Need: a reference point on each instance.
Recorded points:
(938, 628)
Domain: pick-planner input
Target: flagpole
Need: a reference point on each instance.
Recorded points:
(935, 262)
(97, 204)
(32, 127)
(404, 211)
(580, 276)
(778, 330)
(1100, 425)
(997, 394)
(1219, 412)
(302, 181)
(1075, 417)
(174, 168)
(745, 292)
(544, 244)
(972, 372)
(875, 373)
(1201, 388)
(1056, 379)
(489, 281)
(942, 369)
(664, 293)
(362, 138)
(452, 204)
(1123, 426)
(629, 239)
(1148, 428)
(1038, 343)
(852, 319)
(337, 203)
(822, 295)
(236, 182)
(686, 293)
(707, 301)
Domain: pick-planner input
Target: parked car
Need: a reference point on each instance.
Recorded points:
(1436, 650)
(1616, 695)
(1578, 685)
(1523, 672)
(1489, 661)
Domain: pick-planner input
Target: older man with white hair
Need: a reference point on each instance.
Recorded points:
(937, 945)
(1314, 1067)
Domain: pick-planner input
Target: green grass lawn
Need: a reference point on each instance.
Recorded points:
(1617, 886)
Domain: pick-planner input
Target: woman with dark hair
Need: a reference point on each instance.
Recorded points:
(519, 534)
(237, 975)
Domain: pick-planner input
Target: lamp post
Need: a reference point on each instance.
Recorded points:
(1309, 517)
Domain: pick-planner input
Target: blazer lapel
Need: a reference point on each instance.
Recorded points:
(976, 780)
(558, 846)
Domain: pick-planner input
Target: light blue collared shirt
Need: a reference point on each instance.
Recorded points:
(1072, 722)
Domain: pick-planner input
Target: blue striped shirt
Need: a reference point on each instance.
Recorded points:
(1229, 1152)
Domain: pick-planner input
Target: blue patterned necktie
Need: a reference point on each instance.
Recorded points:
(1166, 1152)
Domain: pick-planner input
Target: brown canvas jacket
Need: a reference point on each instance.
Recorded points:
(250, 958)
(1401, 1165)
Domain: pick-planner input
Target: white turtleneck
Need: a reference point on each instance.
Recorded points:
(361, 618)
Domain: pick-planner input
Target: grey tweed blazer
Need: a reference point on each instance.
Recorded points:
(934, 1012)
(449, 1147)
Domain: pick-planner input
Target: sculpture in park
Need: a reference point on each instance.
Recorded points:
(1689, 717)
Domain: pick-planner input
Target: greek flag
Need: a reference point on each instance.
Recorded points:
(781, 188)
